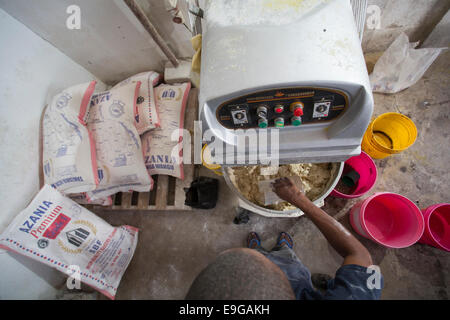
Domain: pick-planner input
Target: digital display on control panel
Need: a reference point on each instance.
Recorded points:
(285, 107)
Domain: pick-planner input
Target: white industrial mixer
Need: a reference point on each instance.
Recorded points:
(296, 66)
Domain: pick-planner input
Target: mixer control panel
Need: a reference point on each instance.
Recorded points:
(296, 107)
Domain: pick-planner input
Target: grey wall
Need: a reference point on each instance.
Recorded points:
(177, 36)
(416, 18)
(440, 37)
(112, 45)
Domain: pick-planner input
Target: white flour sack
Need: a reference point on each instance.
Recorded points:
(62, 234)
(120, 161)
(69, 162)
(157, 144)
(147, 117)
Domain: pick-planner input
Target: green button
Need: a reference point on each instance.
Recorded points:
(279, 124)
(262, 124)
(296, 122)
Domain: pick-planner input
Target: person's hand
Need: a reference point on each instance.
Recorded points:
(287, 190)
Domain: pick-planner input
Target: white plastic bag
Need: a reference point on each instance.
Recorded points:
(81, 198)
(69, 161)
(147, 117)
(158, 144)
(57, 231)
(401, 66)
(118, 147)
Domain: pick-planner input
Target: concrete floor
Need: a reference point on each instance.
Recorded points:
(174, 247)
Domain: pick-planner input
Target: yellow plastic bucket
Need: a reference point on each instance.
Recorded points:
(388, 134)
(207, 162)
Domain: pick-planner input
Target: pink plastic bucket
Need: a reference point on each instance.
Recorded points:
(389, 219)
(437, 226)
(364, 165)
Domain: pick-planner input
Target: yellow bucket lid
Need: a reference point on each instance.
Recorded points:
(206, 159)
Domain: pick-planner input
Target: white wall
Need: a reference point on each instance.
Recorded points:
(32, 70)
(112, 44)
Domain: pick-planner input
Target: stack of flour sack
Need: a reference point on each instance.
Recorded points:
(98, 144)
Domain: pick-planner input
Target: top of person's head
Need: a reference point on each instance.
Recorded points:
(241, 274)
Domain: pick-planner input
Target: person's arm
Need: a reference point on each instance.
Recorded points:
(340, 239)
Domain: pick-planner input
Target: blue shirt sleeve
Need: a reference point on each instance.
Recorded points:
(353, 282)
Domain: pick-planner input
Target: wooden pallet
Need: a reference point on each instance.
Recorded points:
(168, 192)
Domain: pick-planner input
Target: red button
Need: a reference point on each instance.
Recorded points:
(278, 110)
(298, 112)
